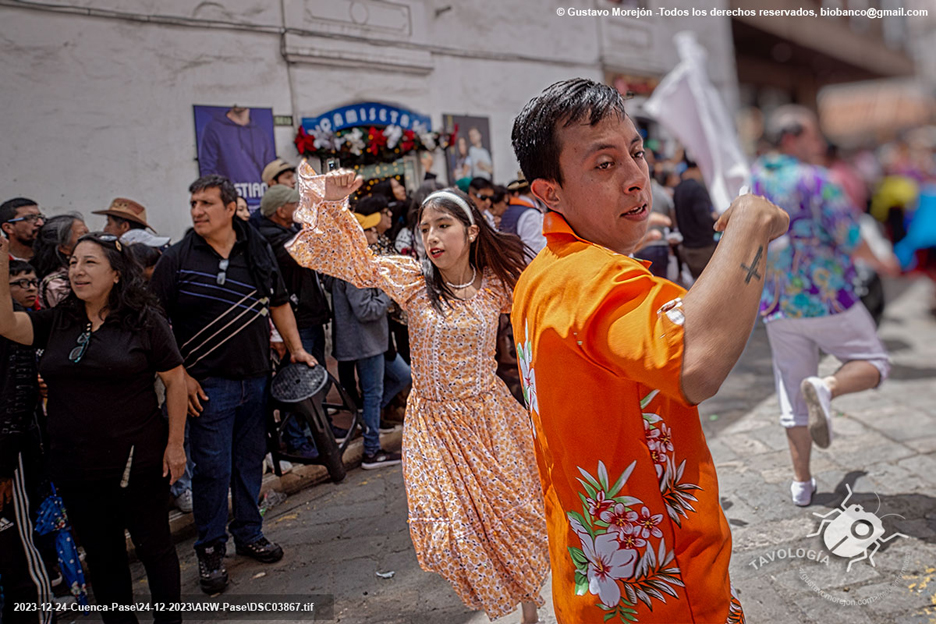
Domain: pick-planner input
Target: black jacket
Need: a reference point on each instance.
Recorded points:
(305, 290)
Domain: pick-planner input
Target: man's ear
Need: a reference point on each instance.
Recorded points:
(231, 208)
(550, 193)
(7, 229)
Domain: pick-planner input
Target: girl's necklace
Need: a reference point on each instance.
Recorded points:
(474, 274)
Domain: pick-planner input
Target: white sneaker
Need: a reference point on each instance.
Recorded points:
(183, 501)
(803, 491)
(819, 402)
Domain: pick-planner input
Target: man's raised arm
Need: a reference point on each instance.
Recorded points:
(721, 306)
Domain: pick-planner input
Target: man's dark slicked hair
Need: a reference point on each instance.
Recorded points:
(9, 207)
(225, 186)
(535, 135)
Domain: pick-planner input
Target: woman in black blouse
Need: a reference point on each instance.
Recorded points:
(111, 454)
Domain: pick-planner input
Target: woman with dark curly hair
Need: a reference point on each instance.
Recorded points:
(54, 244)
(111, 454)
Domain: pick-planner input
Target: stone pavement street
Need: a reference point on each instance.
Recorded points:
(884, 450)
(338, 537)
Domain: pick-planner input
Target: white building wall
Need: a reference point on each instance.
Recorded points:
(97, 96)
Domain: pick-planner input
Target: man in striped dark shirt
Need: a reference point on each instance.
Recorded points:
(221, 287)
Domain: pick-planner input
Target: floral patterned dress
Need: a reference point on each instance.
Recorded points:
(636, 532)
(475, 505)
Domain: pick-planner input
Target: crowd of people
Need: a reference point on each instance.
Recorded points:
(508, 319)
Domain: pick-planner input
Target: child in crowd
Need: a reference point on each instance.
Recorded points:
(24, 285)
(24, 577)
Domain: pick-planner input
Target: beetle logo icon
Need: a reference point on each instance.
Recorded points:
(854, 531)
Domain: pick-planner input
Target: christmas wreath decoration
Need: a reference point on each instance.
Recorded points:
(370, 145)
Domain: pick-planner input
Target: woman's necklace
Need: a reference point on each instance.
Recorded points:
(474, 274)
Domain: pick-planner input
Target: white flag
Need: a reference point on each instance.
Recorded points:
(687, 104)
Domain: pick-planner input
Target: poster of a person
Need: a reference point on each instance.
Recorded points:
(235, 142)
(479, 155)
(470, 156)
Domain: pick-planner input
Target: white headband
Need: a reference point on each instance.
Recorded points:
(455, 198)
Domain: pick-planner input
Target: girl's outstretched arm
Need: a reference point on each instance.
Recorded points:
(332, 241)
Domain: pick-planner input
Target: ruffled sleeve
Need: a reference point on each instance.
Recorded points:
(332, 242)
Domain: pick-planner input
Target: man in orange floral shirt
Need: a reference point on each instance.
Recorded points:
(614, 361)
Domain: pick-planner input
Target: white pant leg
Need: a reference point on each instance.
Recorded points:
(795, 356)
(851, 336)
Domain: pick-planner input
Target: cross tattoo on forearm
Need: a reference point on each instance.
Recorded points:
(752, 270)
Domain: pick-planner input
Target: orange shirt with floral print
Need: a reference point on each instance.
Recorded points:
(636, 532)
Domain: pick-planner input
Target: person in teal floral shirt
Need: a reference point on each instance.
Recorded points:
(809, 272)
(809, 301)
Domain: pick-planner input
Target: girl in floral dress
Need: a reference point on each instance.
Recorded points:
(475, 504)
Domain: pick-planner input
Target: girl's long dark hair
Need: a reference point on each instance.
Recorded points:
(130, 299)
(504, 254)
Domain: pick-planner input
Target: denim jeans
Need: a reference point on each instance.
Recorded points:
(313, 340)
(380, 382)
(228, 443)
